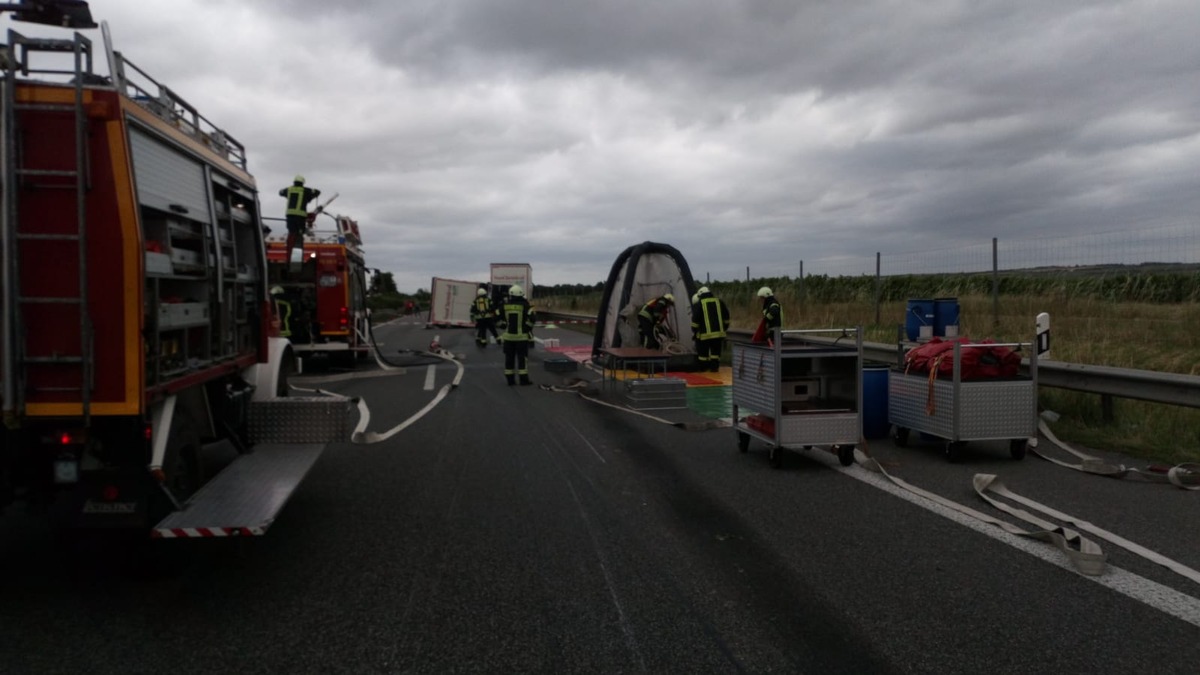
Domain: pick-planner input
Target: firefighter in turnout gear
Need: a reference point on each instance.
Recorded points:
(518, 334)
(298, 196)
(654, 314)
(710, 321)
(772, 314)
(484, 317)
(283, 311)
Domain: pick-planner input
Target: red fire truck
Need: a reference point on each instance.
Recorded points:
(324, 288)
(138, 334)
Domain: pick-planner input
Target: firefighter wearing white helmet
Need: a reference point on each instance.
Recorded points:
(710, 323)
(484, 316)
(518, 335)
(772, 314)
(283, 311)
(653, 320)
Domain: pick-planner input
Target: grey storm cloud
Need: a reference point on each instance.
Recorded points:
(752, 133)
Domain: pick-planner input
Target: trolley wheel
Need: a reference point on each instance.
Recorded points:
(1017, 448)
(776, 456)
(954, 450)
(900, 436)
(845, 454)
(743, 441)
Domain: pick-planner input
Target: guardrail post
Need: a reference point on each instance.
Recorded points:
(1106, 408)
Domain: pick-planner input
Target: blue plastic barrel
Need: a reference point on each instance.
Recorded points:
(920, 313)
(875, 402)
(945, 315)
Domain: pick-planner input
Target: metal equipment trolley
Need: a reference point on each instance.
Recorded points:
(802, 392)
(958, 411)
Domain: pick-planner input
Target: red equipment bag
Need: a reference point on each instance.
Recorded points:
(978, 363)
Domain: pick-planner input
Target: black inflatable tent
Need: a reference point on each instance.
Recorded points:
(640, 274)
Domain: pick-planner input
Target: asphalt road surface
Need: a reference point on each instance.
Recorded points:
(524, 529)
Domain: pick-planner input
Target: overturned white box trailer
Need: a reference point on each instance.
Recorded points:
(450, 302)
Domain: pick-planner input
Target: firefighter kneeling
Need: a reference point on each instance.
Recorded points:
(518, 333)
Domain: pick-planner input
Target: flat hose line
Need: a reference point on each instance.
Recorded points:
(1084, 554)
(1185, 476)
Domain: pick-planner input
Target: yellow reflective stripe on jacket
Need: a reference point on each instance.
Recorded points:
(710, 309)
(295, 201)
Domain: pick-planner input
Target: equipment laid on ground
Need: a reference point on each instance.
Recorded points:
(327, 291)
(956, 408)
(450, 302)
(802, 392)
(137, 327)
(656, 393)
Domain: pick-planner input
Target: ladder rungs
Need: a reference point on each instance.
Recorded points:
(50, 301)
(64, 107)
(48, 237)
(46, 172)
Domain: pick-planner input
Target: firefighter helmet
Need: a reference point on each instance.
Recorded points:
(277, 290)
(516, 291)
(481, 292)
(298, 179)
(765, 292)
(669, 298)
(703, 290)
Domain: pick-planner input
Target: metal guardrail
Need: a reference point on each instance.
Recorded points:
(1105, 381)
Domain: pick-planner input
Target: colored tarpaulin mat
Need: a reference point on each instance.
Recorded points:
(580, 354)
(706, 379)
(712, 402)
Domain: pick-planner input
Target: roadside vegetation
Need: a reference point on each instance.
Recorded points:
(1124, 319)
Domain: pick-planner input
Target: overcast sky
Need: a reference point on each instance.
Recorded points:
(744, 133)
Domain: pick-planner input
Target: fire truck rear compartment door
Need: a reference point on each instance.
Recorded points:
(244, 499)
(166, 179)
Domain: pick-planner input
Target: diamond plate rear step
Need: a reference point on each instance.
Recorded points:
(288, 435)
(244, 499)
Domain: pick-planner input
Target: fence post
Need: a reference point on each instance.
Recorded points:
(747, 274)
(802, 280)
(878, 287)
(995, 285)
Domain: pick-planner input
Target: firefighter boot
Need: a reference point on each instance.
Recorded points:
(511, 380)
(525, 381)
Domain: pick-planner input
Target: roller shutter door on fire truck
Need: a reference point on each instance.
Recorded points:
(166, 177)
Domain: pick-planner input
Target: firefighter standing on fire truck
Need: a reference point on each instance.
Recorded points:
(518, 334)
(298, 196)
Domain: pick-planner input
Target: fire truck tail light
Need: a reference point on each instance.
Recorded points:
(342, 317)
(110, 493)
(63, 437)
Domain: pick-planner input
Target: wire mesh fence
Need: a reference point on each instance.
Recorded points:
(1168, 245)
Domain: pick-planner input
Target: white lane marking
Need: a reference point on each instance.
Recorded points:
(430, 372)
(1160, 597)
(588, 443)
